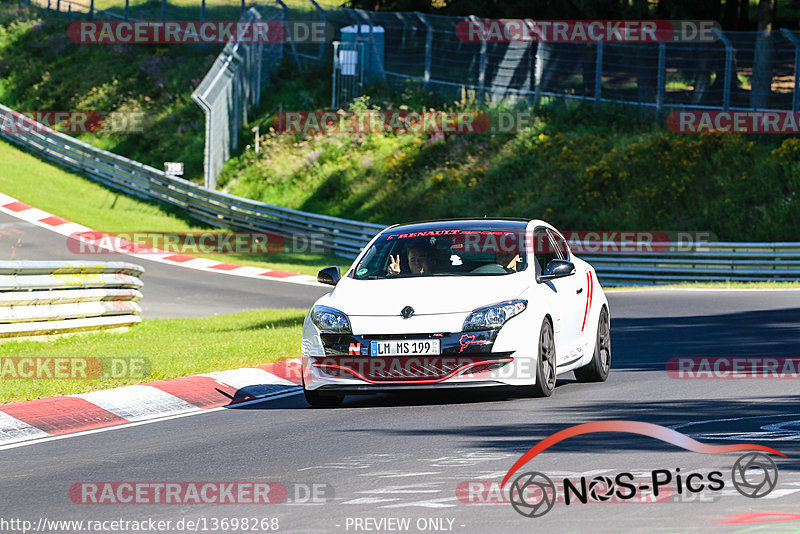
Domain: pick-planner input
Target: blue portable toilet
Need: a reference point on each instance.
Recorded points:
(360, 33)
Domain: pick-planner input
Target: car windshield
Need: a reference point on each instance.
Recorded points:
(444, 252)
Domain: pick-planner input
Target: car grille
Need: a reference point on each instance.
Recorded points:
(405, 369)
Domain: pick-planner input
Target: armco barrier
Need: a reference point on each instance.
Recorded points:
(340, 236)
(53, 297)
(706, 262)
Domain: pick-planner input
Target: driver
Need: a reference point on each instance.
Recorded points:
(419, 261)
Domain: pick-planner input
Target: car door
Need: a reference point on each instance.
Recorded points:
(574, 291)
(559, 292)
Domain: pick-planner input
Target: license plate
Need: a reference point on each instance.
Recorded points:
(405, 347)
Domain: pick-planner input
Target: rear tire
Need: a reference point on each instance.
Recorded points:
(597, 369)
(546, 363)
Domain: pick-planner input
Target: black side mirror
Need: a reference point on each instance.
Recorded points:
(329, 275)
(557, 269)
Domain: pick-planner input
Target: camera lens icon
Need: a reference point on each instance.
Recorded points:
(754, 475)
(532, 494)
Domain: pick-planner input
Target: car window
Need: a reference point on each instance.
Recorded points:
(560, 244)
(444, 252)
(544, 250)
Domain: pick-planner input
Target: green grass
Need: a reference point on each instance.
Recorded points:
(55, 190)
(173, 347)
(710, 285)
(614, 168)
(42, 69)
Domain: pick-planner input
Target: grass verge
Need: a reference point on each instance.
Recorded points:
(711, 285)
(53, 189)
(173, 347)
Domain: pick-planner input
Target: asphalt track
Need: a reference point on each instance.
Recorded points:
(403, 456)
(169, 291)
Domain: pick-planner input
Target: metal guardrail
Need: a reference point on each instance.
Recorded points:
(707, 262)
(43, 298)
(340, 236)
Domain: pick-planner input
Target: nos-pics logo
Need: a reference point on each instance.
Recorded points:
(533, 494)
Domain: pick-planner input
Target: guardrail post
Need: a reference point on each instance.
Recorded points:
(662, 61)
(428, 46)
(481, 64)
(598, 74)
(796, 86)
(364, 15)
(726, 90)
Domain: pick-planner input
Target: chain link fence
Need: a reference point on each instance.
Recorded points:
(231, 89)
(740, 70)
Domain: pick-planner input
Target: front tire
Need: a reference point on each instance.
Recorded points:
(597, 369)
(322, 399)
(319, 399)
(546, 363)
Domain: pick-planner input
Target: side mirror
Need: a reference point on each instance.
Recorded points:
(329, 275)
(557, 269)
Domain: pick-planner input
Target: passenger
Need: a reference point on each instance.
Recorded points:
(507, 260)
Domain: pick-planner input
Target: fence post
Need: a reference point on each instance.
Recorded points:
(662, 61)
(58, 6)
(127, 9)
(324, 16)
(91, 8)
(598, 74)
(364, 15)
(428, 46)
(726, 90)
(163, 10)
(203, 10)
(796, 86)
(481, 64)
(335, 68)
(284, 19)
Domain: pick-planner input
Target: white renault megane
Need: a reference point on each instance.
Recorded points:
(457, 303)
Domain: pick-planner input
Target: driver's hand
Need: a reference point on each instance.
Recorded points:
(394, 264)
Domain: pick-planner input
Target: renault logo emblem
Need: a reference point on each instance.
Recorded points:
(407, 312)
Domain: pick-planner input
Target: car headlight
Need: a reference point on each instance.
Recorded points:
(330, 321)
(494, 316)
